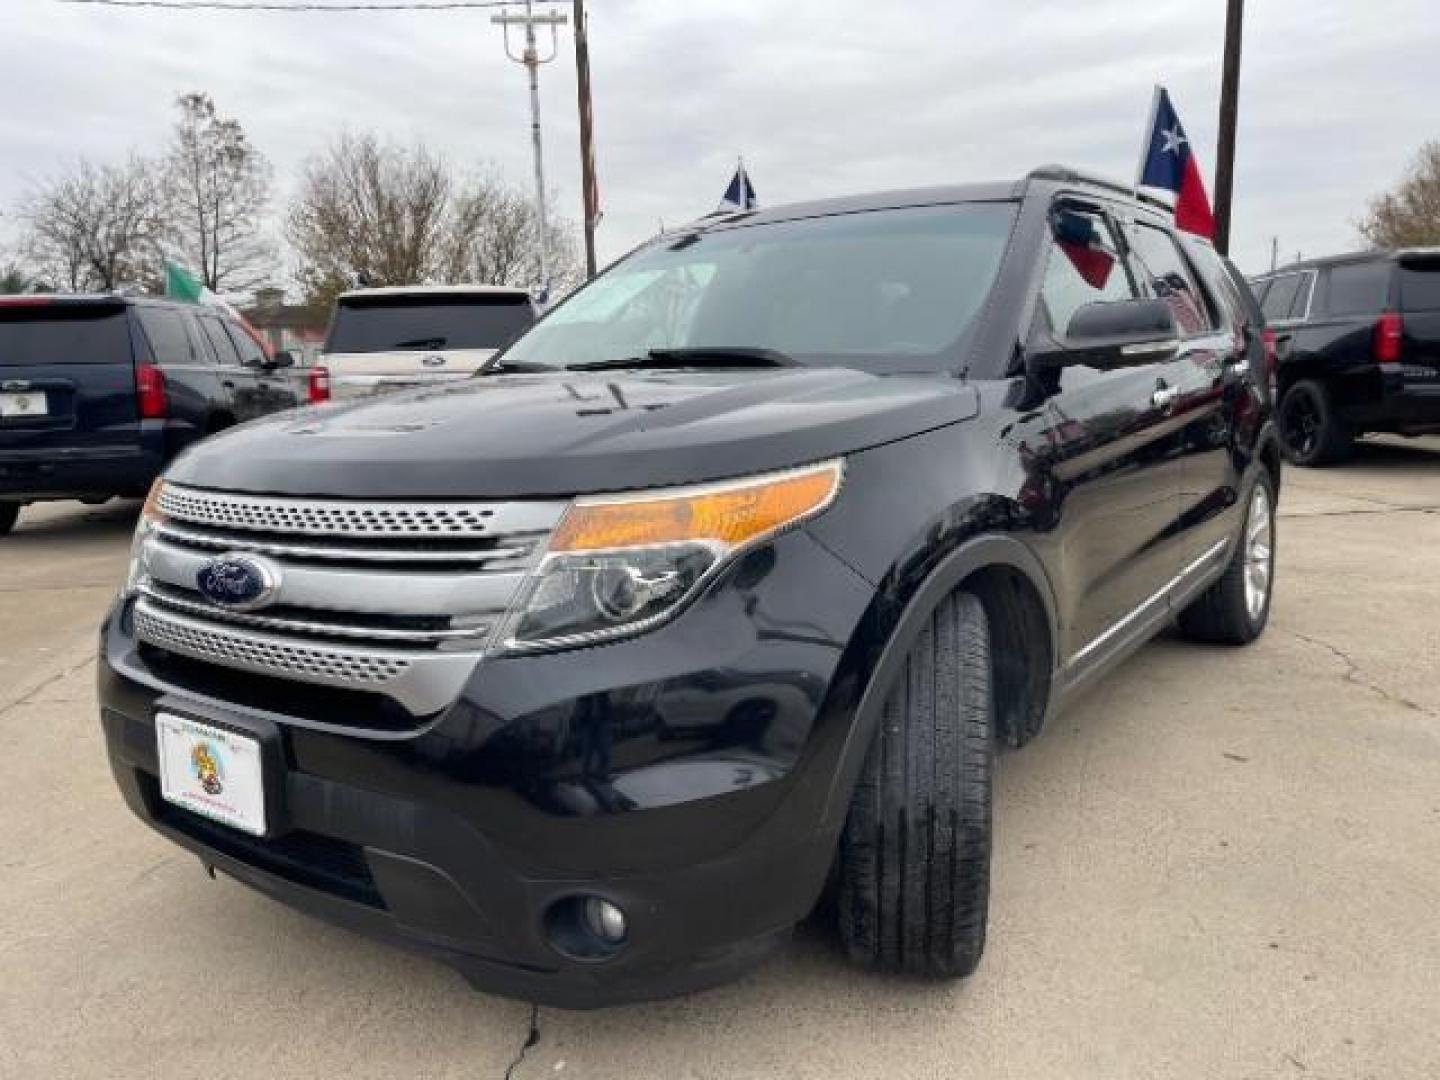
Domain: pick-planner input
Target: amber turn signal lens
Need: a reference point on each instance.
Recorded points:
(151, 510)
(728, 513)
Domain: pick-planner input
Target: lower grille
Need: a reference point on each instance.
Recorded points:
(316, 663)
(304, 858)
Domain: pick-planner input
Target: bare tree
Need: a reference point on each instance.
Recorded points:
(99, 227)
(1409, 216)
(218, 188)
(381, 214)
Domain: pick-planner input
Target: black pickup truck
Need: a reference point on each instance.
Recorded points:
(725, 582)
(98, 393)
(1357, 339)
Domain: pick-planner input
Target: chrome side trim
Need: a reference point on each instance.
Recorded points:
(1159, 597)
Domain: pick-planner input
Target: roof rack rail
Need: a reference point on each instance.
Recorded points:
(1065, 175)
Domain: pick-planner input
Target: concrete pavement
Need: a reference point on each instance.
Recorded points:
(1224, 863)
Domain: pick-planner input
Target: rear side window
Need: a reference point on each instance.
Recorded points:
(1169, 278)
(1223, 286)
(420, 323)
(1280, 297)
(34, 335)
(1420, 286)
(249, 350)
(1358, 289)
(165, 331)
(1083, 267)
(220, 342)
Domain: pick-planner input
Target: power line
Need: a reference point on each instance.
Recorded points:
(307, 6)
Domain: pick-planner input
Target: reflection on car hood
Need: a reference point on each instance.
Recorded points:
(503, 436)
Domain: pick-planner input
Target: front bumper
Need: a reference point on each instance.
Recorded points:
(681, 775)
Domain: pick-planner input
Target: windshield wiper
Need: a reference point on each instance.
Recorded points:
(422, 343)
(693, 356)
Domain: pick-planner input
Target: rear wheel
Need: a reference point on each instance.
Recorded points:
(9, 513)
(915, 854)
(1236, 608)
(1310, 430)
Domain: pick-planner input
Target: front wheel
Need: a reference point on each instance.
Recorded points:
(1236, 608)
(915, 854)
(9, 513)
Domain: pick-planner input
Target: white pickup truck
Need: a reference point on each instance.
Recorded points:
(415, 335)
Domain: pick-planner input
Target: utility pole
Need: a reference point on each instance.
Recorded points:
(532, 60)
(1229, 107)
(587, 134)
(1274, 253)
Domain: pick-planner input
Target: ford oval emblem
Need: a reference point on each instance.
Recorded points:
(239, 582)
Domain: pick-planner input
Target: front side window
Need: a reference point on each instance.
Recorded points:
(1169, 279)
(1083, 267)
(885, 290)
(249, 349)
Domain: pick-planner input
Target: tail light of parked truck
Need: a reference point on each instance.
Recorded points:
(1389, 335)
(150, 393)
(1272, 360)
(318, 387)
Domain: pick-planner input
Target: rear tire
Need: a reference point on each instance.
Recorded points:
(1232, 611)
(1310, 430)
(9, 513)
(915, 854)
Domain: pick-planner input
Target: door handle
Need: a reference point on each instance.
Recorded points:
(228, 384)
(1165, 397)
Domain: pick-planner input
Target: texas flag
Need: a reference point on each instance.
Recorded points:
(1168, 163)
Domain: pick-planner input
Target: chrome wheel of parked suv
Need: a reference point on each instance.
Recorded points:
(1234, 610)
(1259, 552)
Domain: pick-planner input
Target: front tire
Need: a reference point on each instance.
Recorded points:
(1236, 608)
(9, 514)
(915, 853)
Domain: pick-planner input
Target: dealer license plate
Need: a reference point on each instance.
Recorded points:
(211, 771)
(30, 403)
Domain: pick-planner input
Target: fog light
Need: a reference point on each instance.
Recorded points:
(604, 920)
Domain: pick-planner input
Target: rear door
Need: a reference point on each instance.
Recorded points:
(241, 384)
(67, 376)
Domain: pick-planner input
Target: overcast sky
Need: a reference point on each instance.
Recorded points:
(823, 97)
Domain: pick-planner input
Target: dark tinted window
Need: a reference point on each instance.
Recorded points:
(1280, 297)
(419, 323)
(165, 330)
(1358, 289)
(36, 334)
(1223, 285)
(1083, 267)
(220, 342)
(1169, 278)
(1420, 286)
(248, 347)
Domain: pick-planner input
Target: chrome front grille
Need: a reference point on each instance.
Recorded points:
(395, 598)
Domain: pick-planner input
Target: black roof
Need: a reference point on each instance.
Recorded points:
(99, 300)
(1043, 180)
(1371, 255)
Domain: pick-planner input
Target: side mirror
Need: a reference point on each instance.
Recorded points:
(282, 359)
(1115, 334)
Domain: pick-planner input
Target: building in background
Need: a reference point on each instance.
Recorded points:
(300, 328)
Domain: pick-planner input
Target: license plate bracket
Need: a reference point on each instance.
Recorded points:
(221, 767)
(24, 403)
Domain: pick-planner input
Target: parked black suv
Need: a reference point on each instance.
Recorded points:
(723, 582)
(98, 393)
(1357, 338)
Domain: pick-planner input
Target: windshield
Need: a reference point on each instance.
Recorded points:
(420, 323)
(42, 334)
(883, 289)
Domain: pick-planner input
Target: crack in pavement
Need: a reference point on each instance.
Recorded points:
(1355, 674)
(1295, 516)
(29, 695)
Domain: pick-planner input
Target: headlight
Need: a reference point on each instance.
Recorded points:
(150, 516)
(620, 564)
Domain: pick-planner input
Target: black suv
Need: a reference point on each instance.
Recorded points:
(1357, 338)
(99, 393)
(724, 582)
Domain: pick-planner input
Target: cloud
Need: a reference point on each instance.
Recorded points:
(822, 97)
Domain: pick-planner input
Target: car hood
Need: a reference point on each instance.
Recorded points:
(505, 436)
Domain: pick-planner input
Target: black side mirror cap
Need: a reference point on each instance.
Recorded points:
(284, 358)
(1114, 334)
